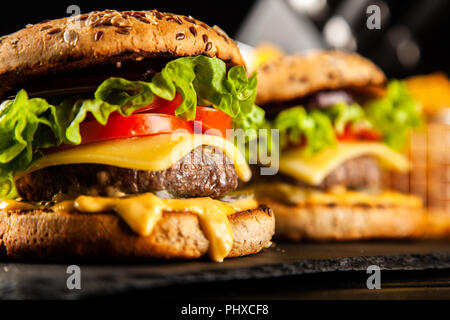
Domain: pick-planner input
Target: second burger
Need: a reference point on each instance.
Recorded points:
(340, 128)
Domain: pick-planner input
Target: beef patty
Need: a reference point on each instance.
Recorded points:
(206, 171)
(359, 173)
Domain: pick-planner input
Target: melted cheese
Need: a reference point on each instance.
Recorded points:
(152, 153)
(142, 213)
(338, 196)
(314, 169)
(16, 205)
(244, 204)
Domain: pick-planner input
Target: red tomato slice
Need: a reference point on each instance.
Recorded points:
(209, 117)
(370, 135)
(156, 118)
(360, 134)
(214, 119)
(135, 125)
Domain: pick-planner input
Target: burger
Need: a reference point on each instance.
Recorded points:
(341, 131)
(113, 140)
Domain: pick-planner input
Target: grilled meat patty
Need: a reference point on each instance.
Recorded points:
(359, 173)
(206, 171)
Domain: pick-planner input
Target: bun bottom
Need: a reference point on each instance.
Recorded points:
(178, 235)
(324, 223)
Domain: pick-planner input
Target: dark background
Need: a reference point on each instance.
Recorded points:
(426, 20)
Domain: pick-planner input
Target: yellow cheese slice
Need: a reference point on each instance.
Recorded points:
(152, 153)
(314, 169)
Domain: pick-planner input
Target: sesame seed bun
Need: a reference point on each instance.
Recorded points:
(178, 235)
(295, 76)
(105, 37)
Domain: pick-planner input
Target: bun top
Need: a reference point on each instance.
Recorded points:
(97, 38)
(295, 76)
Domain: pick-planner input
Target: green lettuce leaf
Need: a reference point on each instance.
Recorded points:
(26, 126)
(29, 125)
(296, 126)
(204, 81)
(316, 128)
(343, 115)
(395, 115)
(255, 127)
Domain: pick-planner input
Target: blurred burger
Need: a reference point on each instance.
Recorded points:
(113, 140)
(339, 127)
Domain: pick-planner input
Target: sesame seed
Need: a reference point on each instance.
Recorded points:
(83, 17)
(137, 14)
(45, 27)
(105, 21)
(180, 36)
(98, 35)
(204, 25)
(91, 19)
(54, 31)
(193, 31)
(70, 36)
(221, 33)
(118, 21)
(122, 31)
(190, 19)
(142, 19)
(173, 19)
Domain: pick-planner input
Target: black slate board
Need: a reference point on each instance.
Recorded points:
(48, 281)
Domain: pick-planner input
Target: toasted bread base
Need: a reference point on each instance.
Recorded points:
(178, 235)
(324, 223)
(437, 224)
